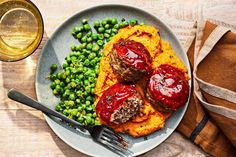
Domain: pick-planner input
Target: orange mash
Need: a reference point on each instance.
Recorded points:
(149, 120)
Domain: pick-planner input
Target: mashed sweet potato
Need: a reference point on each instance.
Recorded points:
(149, 120)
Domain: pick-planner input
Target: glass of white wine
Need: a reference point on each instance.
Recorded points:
(21, 29)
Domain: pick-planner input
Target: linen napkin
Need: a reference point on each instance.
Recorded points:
(210, 120)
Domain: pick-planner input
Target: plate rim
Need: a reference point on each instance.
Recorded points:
(49, 120)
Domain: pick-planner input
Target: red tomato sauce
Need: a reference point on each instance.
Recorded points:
(134, 54)
(112, 99)
(169, 86)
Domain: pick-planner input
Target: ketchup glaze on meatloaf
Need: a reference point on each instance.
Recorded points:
(119, 103)
(130, 60)
(167, 88)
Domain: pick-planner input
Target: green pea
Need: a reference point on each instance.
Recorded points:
(96, 23)
(112, 34)
(78, 101)
(73, 84)
(100, 36)
(114, 30)
(77, 48)
(87, 103)
(64, 65)
(108, 20)
(94, 36)
(88, 119)
(100, 42)
(76, 29)
(83, 45)
(74, 112)
(101, 29)
(113, 21)
(64, 96)
(116, 26)
(79, 35)
(80, 119)
(84, 21)
(73, 58)
(67, 80)
(62, 84)
(106, 35)
(92, 91)
(97, 70)
(58, 108)
(107, 26)
(79, 93)
(55, 92)
(57, 81)
(89, 39)
(94, 115)
(81, 28)
(63, 76)
(58, 87)
(73, 33)
(80, 108)
(70, 103)
(65, 112)
(53, 85)
(86, 62)
(142, 24)
(89, 46)
(100, 54)
(53, 67)
(91, 79)
(108, 31)
(89, 34)
(81, 76)
(83, 106)
(93, 62)
(86, 82)
(124, 24)
(95, 47)
(83, 112)
(92, 85)
(91, 55)
(85, 69)
(83, 39)
(59, 75)
(72, 53)
(89, 108)
(108, 39)
(104, 22)
(80, 69)
(87, 89)
(133, 22)
(67, 92)
(87, 27)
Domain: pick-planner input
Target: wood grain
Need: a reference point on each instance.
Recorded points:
(24, 132)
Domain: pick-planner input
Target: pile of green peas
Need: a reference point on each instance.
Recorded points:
(75, 85)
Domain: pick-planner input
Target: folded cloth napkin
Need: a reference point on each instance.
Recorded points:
(210, 120)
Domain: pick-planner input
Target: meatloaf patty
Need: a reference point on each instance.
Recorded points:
(130, 60)
(167, 88)
(119, 103)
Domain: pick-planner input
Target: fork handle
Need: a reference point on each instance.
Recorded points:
(20, 97)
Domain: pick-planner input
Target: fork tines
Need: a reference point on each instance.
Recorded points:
(115, 142)
(116, 137)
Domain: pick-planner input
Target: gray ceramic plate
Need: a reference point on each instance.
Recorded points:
(58, 47)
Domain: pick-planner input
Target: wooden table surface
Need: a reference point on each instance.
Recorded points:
(24, 131)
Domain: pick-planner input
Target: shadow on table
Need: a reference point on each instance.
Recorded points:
(21, 76)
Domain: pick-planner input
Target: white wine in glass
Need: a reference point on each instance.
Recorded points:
(21, 29)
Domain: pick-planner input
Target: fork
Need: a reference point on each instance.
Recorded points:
(99, 133)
